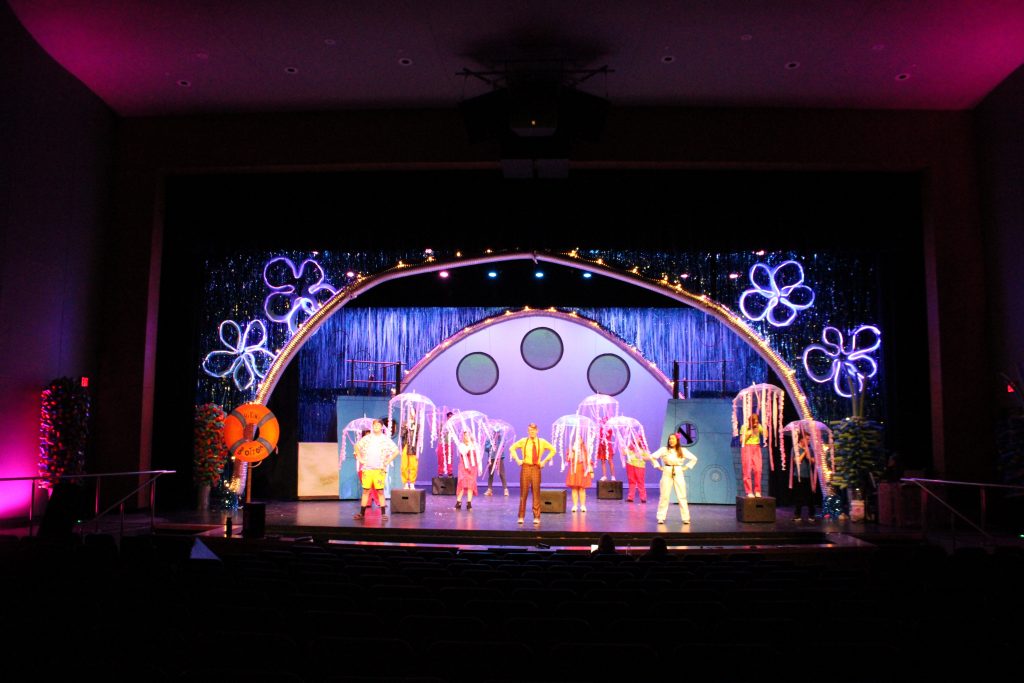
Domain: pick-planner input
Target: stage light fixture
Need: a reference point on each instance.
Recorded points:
(587, 276)
(539, 274)
(443, 274)
(492, 274)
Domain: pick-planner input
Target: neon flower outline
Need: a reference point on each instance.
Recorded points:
(245, 359)
(294, 297)
(846, 364)
(794, 297)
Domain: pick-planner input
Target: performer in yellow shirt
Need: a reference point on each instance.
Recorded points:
(532, 459)
(750, 455)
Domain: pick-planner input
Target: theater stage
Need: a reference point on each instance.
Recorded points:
(492, 523)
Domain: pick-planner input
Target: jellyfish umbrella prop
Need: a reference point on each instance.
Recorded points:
(571, 431)
(500, 435)
(417, 408)
(627, 434)
(477, 425)
(768, 401)
(599, 408)
(822, 449)
(352, 432)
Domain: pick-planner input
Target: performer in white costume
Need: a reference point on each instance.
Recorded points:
(674, 461)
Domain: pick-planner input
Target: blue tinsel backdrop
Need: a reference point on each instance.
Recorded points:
(847, 294)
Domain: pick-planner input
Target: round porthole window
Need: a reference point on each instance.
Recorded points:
(688, 434)
(541, 348)
(608, 374)
(477, 373)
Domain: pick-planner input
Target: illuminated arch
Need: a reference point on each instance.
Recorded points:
(672, 290)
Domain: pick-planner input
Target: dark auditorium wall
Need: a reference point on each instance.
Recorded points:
(938, 146)
(1001, 167)
(55, 167)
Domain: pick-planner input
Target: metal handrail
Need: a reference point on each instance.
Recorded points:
(96, 504)
(920, 483)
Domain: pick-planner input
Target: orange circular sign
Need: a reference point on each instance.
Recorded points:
(251, 432)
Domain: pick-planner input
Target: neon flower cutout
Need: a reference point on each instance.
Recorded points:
(294, 291)
(778, 294)
(246, 359)
(846, 365)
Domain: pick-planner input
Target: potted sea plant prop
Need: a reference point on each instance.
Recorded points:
(63, 430)
(209, 454)
(859, 453)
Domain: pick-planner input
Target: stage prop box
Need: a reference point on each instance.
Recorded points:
(403, 500)
(609, 490)
(552, 500)
(755, 509)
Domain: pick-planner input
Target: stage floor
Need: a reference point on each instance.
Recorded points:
(492, 523)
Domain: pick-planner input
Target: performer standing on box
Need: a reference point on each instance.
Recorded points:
(750, 455)
(444, 450)
(636, 471)
(805, 489)
(675, 460)
(374, 452)
(495, 461)
(605, 451)
(469, 470)
(533, 448)
(410, 451)
(581, 473)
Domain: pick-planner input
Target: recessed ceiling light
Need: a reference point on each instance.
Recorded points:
(587, 276)
(443, 274)
(539, 274)
(329, 41)
(291, 70)
(668, 59)
(185, 84)
(405, 61)
(792, 65)
(902, 76)
(492, 274)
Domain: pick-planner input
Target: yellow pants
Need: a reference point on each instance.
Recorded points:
(373, 479)
(410, 467)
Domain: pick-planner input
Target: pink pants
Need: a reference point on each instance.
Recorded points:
(750, 464)
(635, 479)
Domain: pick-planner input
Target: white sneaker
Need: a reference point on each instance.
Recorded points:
(583, 508)
(506, 492)
(573, 509)
(613, 477)
(686, 521)
(750, 495)
(606, 478)
(757, 494)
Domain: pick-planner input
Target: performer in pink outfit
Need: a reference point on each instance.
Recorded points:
(605, 451)
(750, 455)
(580, 476)
(636, 469)
(469, 470)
